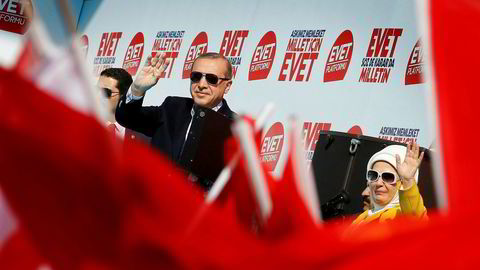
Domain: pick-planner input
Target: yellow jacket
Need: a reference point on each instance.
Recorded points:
(411, 203)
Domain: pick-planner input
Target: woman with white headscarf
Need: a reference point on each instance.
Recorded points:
(392, 176)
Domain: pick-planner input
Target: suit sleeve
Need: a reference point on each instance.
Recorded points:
(134, 116)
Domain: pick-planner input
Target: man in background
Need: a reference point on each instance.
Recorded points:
(114, 82)
(367, 205)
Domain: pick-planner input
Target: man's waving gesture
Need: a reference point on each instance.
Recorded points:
(149, 74)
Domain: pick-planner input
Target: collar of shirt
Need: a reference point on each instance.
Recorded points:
(192, 112)
(216, 108)
(120, 129)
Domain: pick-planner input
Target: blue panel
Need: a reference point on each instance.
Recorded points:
(88, 10)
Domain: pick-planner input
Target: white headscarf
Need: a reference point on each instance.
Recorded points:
(387, 154)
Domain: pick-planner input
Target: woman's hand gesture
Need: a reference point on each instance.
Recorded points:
(407, 169)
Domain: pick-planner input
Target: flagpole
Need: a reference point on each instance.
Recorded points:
(67, 16)
(257, 181)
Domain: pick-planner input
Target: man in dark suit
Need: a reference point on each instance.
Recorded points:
(168, 124)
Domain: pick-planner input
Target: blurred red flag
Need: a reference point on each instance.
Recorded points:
(295, 202)
(86, 201)
(290, 205)
(454, 26)
(59, 71)
(56, 71)
(247, 192)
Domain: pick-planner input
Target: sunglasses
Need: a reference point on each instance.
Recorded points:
(387, 177)
(109, 93)
(212, 79)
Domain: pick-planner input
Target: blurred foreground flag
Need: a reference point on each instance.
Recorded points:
(276, 209)
(85, 201)
(453, 25)
(247, 192)
(296, 203)
(58, 71)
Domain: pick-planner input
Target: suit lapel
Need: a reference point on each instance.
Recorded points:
(225, 110)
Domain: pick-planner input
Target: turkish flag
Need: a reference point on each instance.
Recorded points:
(88, 202)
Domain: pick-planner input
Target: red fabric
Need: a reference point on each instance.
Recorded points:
(89, 202)
(19, 252)
(238, 197)
(27, 58)
(289, 216)
(454, 29)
